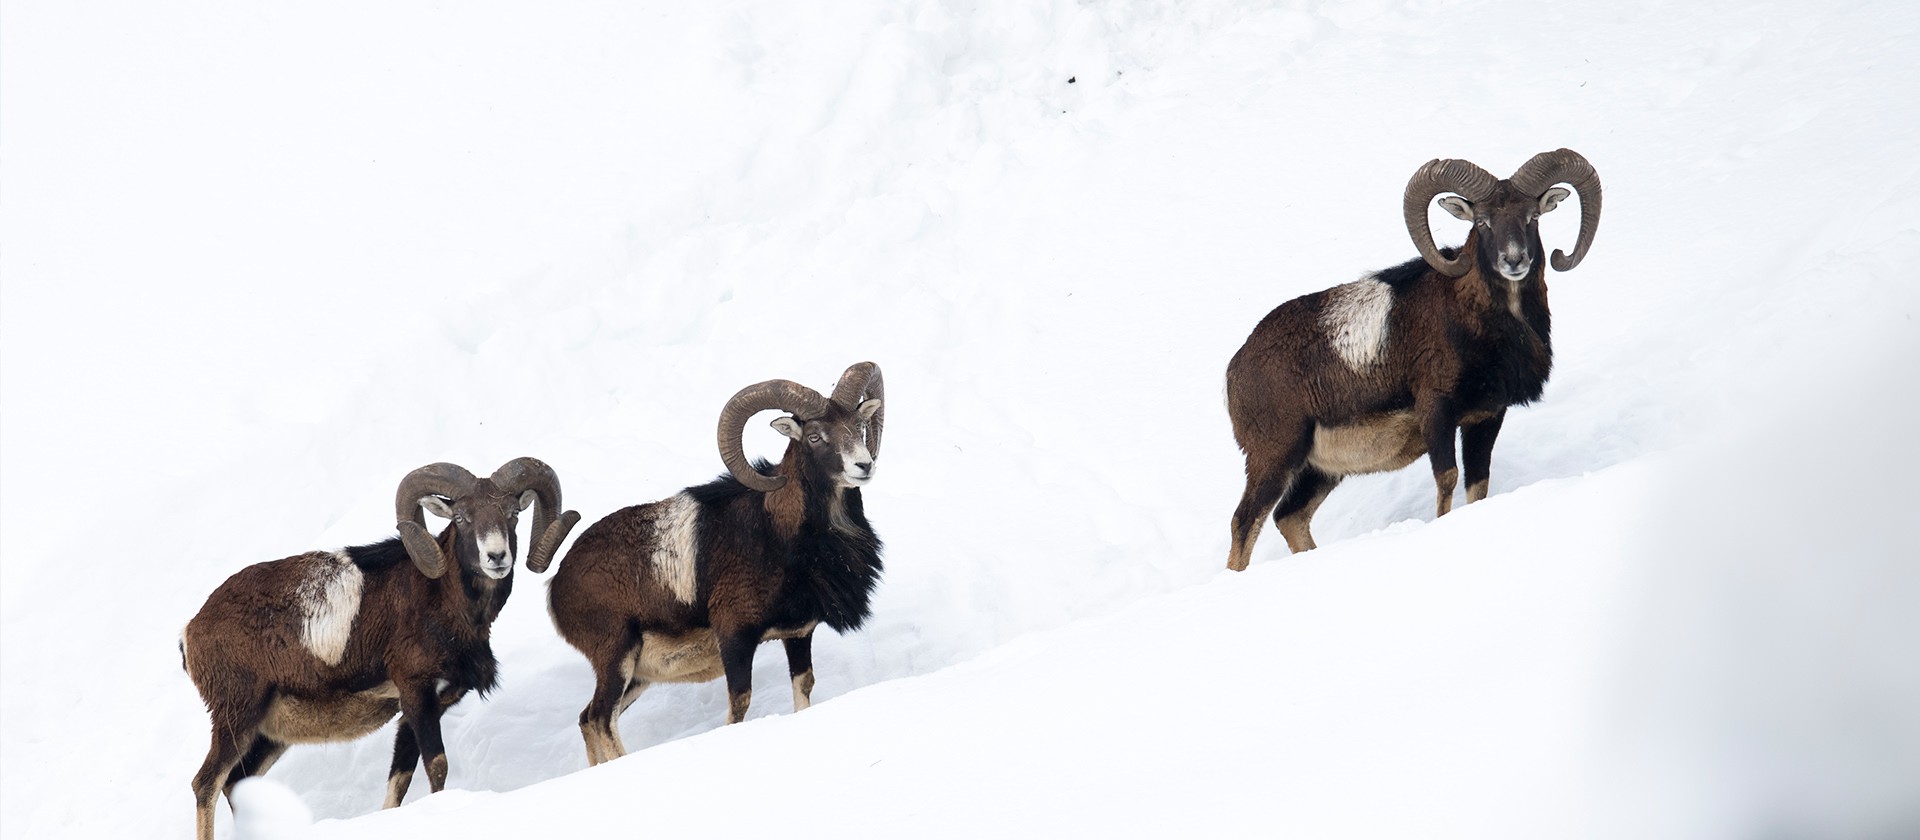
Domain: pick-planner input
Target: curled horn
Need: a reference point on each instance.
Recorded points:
(443, 479)
(858, 384)
(1455, 176)
(550, 525)
(1549, 168)
(792, 397)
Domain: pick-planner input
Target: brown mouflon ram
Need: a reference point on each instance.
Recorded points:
(684, 589)
(329, 645)
(1368, 376)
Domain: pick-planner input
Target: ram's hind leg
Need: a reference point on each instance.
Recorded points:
(1297, 505)
(259, 758)
(233, 738)
(1264, 489)
(613, 682)
(635, 687)
(1270, 470)
(211, 779)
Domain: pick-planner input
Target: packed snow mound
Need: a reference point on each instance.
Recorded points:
(261, 262)
(264, 809)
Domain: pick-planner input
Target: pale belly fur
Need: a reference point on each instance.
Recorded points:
(296, 720)
(1374, 444)
(1378, 443)
(688, 657)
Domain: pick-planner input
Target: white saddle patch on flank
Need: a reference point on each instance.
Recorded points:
(1355, 319)
(674, 541)
(329, 599)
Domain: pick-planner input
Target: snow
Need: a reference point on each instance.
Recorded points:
(260, 261)
(267, 810)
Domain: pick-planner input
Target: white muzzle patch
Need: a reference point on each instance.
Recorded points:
(496, 558)
(850, 470)
(1514, 264)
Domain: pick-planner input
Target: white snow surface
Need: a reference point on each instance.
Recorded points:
(267, 810)
(260, 260)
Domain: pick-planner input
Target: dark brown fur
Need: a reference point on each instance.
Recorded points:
(1456, 355)
(243, 651)
(766, 566)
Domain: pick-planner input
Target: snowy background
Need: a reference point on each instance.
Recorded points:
(260, 260)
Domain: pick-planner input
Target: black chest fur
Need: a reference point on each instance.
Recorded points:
(457, 641)
(1508, 362)
(467, 642)
(823, 573)
(830, 576)
(471, 666)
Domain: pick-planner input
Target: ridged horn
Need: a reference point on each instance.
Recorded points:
(1564, 165)
(1455, 176)
(442, 479)
(550, 525)
(858, 384)
(792, 397)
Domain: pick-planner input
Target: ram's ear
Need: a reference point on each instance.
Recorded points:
(786, 426)
(526, 499)
(1552, 198)
(1457, 207)
(437, 506)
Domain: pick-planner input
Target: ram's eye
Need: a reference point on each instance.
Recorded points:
(813, 438)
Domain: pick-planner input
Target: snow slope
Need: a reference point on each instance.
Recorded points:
(259, 262)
